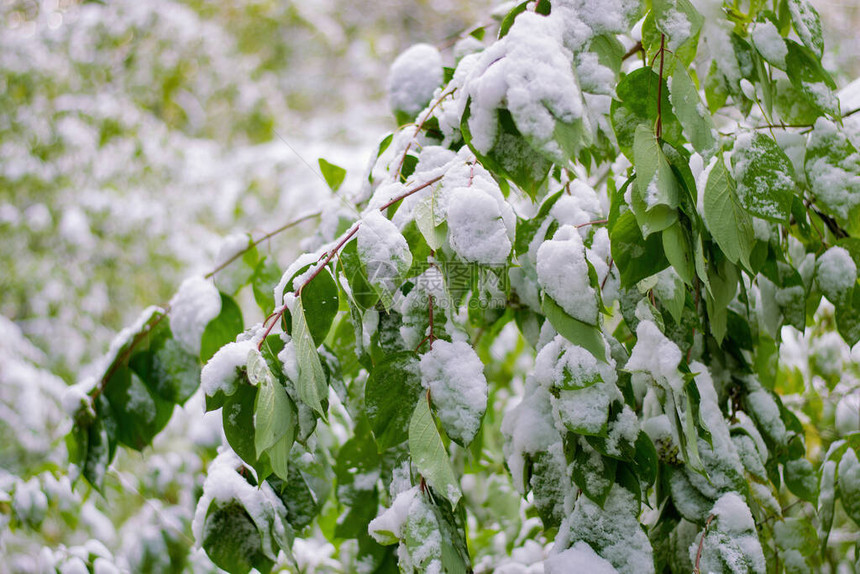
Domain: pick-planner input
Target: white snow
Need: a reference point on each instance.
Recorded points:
(384, 252)
(476, 227)
(221, 372)
(765, 411)
(676, 26)
(224, 484)
(578, 558)
(848, 414)
(192, 307)
(836, 273)
(563, 274)
(769, 43)
(529, 72)
(731, 539)
(835, 183)
(414, 76)
(613, 531)
(656, 355)
(455, 376)
(387, 528)
(528, 429)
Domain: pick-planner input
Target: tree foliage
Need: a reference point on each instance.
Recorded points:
(554, 316)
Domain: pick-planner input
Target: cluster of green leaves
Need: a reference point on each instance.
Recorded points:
(716, 257)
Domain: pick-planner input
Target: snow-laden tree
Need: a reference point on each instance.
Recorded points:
(558, 326)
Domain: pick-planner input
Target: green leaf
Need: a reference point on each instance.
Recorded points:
(320, 299)
(429, 454)
(645, 459)
(238, 421)
(95, 446)
(656, 191)
(801, 479)
(312, 386)
(390, 395)
(849, 484)
(637, 105)
(527, 228)
(364, 296)
(166, 368)
(509, 18)
(233, 276)
(848, 319)
(694, 117)
(675, 299)
(679, 251)
(222, 329)
(434, 232)
(274, 415)
(140, 413)
(807, 75)
(333, 174)
(807, 24)
(635, 257)
(231, 539)
(356, 470)
(765, 177)
(586, 336)
(728, 222)
(796, 533)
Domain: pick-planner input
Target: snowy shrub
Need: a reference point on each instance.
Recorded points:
(552, 330)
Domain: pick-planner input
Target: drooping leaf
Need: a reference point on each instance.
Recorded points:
(312, 386)
(274, 416)
(574, 330)
(656, 192)
(232, 541)
(693, 115)
(429, 454)
(390, 396)
(728, 222)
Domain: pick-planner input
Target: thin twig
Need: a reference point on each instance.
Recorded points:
(418, 129)
(595, 222)
(266, 237)
(327, 257)
(637, 47)
(696, 569)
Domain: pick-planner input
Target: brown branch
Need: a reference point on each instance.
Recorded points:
(637, 47)
(403, 196)
(326, 258)
(595, 222)
(608, 273)
(696, 569)
(320, 266)
(418, 129)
